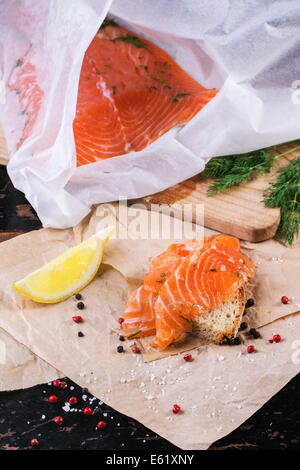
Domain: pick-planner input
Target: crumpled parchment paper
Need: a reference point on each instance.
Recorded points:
(20, 368)
(217, 391)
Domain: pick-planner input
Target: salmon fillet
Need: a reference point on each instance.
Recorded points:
(130, 92)
(139, 314)
(23, 82)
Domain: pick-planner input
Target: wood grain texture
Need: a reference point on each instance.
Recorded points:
(239, 211)
(16, 214)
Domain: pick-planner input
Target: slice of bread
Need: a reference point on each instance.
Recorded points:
(221, 325)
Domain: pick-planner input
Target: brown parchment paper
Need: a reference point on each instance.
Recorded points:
(20, 368)
(217, 391)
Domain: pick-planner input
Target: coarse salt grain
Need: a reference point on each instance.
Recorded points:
(219, 377)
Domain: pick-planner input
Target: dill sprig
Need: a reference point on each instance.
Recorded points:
(232, 170)
(131, 39)
(108, 22)
(285, 193)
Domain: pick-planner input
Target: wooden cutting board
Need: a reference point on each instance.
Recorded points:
(238, 212)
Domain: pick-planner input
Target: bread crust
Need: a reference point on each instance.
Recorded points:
(235, 305)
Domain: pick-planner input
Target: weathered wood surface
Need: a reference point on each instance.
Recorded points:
(239, 212)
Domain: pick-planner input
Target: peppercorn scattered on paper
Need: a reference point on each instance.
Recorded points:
(218, 390)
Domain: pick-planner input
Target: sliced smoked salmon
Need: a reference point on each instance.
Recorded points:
(202, 282)
(23, 81)
(187, 280)
(130, 92)
(139, 315)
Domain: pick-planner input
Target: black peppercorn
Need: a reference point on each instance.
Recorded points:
(78, 296)
(243, 326)
(120, 349)
(237, 340)
(80, 334)
(80, 305)
(121, 338)
(249, 303)
(254, 333)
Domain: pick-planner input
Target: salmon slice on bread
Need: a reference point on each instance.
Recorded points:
(221, 324)
(198, 288)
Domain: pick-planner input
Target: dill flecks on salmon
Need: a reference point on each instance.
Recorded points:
(23, 81)
(187, 280)
(130, 93)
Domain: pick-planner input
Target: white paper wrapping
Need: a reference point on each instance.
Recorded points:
(251, 50)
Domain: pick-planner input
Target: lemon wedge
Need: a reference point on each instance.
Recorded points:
(68, 273)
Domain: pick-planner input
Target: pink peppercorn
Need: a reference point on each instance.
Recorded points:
(58, 420)
(188, 357)
(101, 425)
(53, 398)
(73, 400)
(77, 319)
(176, 409)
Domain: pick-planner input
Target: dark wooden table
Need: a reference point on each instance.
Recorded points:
(27, 414)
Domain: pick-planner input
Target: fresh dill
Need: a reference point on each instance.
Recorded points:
(285, 193)
(157, 79)
(175, 98)
(108, 22)
(134, 334)
(186, 319)
(230, 171)
(233, 170)
(131, 39)
(145, 67)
